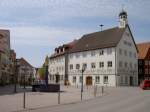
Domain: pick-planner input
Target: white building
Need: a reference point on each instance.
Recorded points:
(58, 63)
(109, 56)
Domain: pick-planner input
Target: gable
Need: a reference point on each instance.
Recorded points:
(127, 41)
(148, 54)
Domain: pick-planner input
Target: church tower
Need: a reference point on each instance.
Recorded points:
(123, 21)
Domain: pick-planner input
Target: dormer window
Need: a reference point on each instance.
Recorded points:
(57, 51)
(61, 50)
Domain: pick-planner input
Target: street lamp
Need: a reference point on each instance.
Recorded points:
(24, 93)
(82, 71)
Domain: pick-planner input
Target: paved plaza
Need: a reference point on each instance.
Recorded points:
(120, 99)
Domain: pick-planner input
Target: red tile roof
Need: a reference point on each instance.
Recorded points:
(143, 49)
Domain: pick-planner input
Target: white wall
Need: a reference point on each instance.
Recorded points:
(57, 66)
(127, 43)
(110, 72)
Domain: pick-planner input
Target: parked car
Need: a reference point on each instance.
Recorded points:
(145, 84)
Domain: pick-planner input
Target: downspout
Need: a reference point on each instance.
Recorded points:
(116, 67)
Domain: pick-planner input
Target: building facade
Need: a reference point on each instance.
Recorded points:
(24, 71)
(109, 57)
(58, 63)
(12, 66)
(4, 57)
(143, 61)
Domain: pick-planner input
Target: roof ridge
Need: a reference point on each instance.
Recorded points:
(100, 31)
(143, 43)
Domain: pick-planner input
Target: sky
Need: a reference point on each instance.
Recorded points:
(38, 26)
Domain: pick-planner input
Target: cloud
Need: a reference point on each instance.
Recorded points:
(50, 23)
(43, 36)
(46, 11)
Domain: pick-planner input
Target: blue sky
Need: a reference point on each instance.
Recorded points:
(38, 26)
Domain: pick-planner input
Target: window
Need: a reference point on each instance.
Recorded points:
(62, 77)
(121, 79)
(146, 71)
(84, 54)
(74, 79)
(109, 51)
(80, 79)
(135, 66)
(135, 55)
(101, 52)
(130, 65)
(77, 55)
(85, 65)
(120, 64)
(126, 64)
(125, 52)
(109, 63)
(61, 49)
(127, 34)
(71, 56)
(71, 66)
(140, 71)
(125, 42)
(140, 62)
(97, 79)
(130, 54)
(120, 51)
(126, 79)
(59, 68)
(146, 62)
(77, 66)
(92, 53)
(105, 79)
(101, 64)
(93, 65)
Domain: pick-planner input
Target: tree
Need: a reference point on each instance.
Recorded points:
(46, 61)
(41, 72)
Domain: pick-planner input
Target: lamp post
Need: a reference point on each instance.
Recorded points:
(15, 77)
(24, 93)
(82, 71)
(46, 75)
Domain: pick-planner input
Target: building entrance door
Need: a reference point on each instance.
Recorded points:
(88, 80)
(131, 81)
